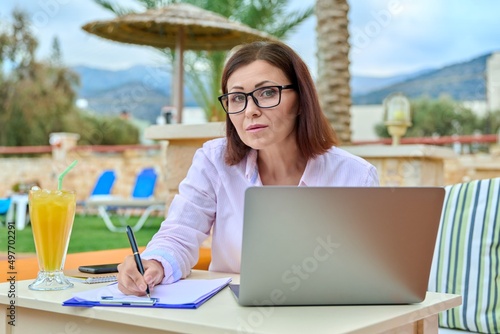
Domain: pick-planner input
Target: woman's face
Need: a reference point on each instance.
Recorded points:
(262, 128)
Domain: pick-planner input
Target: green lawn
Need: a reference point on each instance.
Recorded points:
(89, 234)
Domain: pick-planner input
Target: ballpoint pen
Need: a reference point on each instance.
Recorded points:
(137, 257)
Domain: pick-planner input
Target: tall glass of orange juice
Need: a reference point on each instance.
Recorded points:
(52, 213)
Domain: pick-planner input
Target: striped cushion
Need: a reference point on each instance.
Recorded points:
(467, 256)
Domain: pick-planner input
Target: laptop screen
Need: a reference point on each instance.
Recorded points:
(337, 246)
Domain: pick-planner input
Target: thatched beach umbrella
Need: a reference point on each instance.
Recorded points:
(180, 26)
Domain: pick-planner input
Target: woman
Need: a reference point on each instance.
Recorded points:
(276, 134)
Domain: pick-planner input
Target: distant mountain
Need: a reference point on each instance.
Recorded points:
(462, 81)
(364, 84)
(95, 81)
(144, 90)
(143, 103)
(141, 90)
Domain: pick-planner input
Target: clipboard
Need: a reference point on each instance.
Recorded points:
(111, 300)
(186, 293)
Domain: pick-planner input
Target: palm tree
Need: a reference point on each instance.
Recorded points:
(204, 68)
(333, 65)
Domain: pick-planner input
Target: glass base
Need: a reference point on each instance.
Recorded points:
(50, 280)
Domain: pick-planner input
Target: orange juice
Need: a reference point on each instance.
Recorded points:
(52, 214)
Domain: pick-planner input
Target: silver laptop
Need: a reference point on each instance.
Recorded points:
(337, 246)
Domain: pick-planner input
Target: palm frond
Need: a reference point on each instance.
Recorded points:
(288, 26)
(114, 8)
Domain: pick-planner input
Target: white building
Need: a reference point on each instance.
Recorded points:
(493, 81)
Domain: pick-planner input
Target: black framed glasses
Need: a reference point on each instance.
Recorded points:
(263, 97)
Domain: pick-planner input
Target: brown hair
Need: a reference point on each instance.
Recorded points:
(315, 135)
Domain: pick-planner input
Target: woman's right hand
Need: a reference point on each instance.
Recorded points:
(130, 280)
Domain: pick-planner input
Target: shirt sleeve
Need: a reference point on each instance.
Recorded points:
(372, 179)
(189, 220)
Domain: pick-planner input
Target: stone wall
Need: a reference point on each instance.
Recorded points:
(45, 170)
(406, 165)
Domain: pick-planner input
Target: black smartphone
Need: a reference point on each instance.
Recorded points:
(99, 268)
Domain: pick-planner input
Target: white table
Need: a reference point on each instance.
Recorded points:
(41, 312)
(18, 208)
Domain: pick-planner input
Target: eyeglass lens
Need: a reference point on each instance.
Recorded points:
(265, 97)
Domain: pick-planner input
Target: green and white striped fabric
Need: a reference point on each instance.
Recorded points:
(467, 256)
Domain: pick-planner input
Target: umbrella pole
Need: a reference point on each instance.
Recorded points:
(179, 74)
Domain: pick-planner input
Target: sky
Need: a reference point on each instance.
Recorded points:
(388, 37)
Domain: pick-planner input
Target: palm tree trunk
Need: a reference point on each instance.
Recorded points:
(333, 65)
